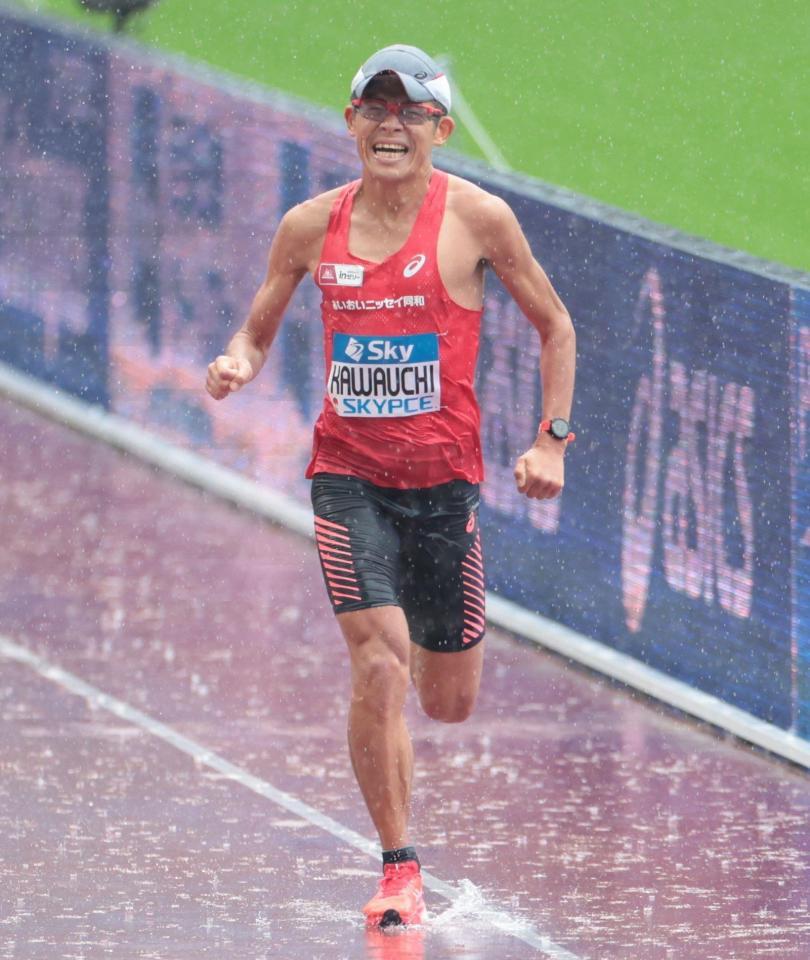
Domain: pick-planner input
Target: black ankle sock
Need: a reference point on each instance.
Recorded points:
(400, 855)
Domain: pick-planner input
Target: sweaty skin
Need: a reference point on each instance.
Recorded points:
(478, 229)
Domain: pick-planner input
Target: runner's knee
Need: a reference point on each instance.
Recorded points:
(379, 681)
(454, 708)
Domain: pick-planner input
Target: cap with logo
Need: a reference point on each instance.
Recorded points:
(419, 74)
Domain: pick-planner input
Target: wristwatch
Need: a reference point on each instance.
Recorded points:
(558, 428)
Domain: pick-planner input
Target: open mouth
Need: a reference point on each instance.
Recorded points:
(389, 150)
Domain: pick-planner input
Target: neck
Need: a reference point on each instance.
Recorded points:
(392, 198)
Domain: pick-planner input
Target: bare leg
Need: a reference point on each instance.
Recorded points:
(447, 682)
(379, 742)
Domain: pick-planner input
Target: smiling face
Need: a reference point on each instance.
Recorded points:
(390, 149)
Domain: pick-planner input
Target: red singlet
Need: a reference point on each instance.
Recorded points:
(400, 407)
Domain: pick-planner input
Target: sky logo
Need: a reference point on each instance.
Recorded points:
(354, 349)
(360, 349)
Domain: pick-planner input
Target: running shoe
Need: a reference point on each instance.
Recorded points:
(398, 900)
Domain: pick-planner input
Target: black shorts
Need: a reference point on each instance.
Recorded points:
(415, 549)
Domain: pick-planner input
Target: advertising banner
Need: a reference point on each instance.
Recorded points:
(54, 208)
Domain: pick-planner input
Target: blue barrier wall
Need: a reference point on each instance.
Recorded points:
(137, 203)
(800, 476)
(54, 235)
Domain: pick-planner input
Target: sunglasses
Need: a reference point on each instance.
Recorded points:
(408, 112)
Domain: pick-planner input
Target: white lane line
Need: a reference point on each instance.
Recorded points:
(464, 111)
(499, 919)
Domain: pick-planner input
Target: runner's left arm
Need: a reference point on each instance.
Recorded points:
(539, 472)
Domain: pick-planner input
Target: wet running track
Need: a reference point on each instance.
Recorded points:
(202, 673)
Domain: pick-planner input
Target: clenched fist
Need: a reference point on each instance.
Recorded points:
(539, 471)
(226, 375)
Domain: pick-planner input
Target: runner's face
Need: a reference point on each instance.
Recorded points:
(390, 148)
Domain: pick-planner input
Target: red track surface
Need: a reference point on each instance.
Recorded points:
(613, 828)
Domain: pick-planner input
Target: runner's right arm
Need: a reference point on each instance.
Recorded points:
(288, 262)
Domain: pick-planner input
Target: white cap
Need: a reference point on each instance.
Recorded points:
(419, 74)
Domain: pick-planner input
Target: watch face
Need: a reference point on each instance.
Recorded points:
(559, 428)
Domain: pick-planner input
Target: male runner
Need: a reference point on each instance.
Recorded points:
(399, 256)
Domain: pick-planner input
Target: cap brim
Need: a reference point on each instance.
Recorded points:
(416, 91)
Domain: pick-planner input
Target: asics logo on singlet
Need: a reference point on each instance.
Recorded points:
(415, 265)
(354, 349)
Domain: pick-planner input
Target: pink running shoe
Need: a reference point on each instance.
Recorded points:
(399, 899)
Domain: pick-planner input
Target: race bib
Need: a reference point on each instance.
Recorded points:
(384, 376)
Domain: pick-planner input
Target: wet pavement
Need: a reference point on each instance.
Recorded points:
(585, 814)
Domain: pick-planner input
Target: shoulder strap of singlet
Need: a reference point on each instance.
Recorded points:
(430, 216)
(425, 231)
(336, 241)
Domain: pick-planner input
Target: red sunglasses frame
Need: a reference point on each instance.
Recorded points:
(393, 106)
